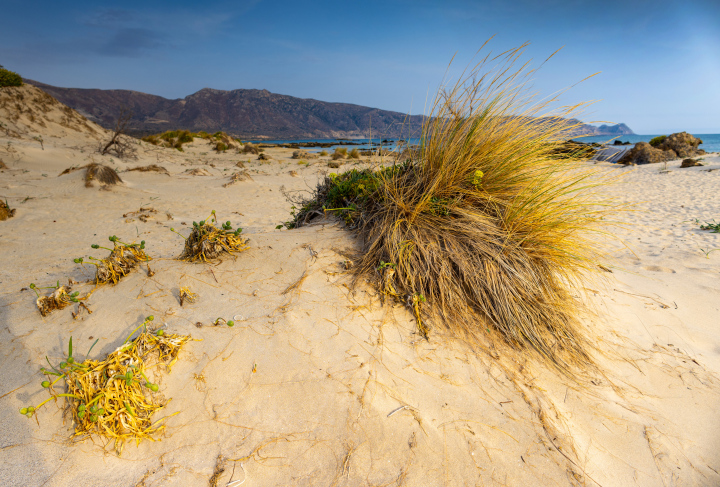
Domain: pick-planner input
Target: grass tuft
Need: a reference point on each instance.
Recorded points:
(483, 230)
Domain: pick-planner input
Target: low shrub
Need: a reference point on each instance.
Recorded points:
(656, 141)
(9, 78)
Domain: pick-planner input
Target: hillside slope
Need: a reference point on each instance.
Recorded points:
(252, 114)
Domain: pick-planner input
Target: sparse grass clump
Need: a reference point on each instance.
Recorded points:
(207, 242)
(123, 258)
(340, 153)
(482, 230)
(354, 154)
(114, 398)
(98, 172)
(9, 78)
(250, 148)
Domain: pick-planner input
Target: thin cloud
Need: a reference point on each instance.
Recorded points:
(131, 42)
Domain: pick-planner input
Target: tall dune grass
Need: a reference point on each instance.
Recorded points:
(486, 231)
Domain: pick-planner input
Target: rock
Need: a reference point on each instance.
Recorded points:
(690, 163)
(682, 144)
(644, 153)
(302, 154)
(334, 164)
(264, 157)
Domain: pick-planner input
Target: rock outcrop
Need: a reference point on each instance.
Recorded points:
(644, 153)
(682, 144)
(675, 146)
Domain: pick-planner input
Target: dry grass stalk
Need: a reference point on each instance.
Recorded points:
(113, 398)
(207, 242)
(187, 295)
(485, 230)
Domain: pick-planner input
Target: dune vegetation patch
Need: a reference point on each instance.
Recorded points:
(483, 229)
(208, 242)
(114, 398)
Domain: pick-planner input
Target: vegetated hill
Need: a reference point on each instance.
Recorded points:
(250, 114)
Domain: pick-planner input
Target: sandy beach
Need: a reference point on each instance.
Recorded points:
(321, 384)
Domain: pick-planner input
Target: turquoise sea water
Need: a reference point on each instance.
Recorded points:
(711, 142)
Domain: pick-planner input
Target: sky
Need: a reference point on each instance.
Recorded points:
(658, 61)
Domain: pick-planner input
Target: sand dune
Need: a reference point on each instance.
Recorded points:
(318, 385)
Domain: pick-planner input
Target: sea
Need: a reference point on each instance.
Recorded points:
(711, 142)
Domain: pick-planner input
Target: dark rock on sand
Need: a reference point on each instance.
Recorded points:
(644, 153)
(690, 163)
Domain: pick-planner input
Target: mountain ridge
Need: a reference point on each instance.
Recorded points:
(251, 114)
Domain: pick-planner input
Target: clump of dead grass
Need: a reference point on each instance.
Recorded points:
(96, 172)
(151, 168)
(123, 258)
(113, 398)
(5, 211)
(207, 242)
(483, 229)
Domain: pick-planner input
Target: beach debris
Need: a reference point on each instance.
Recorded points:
(198, 171)
(123, 258)
(187, 295)
(5, 211)
(114, 398)
(143, 214)
(207, 242)
(60, 298)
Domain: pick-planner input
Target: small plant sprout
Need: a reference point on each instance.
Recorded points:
(109, 398)
(223, 321)
(207, 242)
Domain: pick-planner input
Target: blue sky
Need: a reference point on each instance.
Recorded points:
(659, 60)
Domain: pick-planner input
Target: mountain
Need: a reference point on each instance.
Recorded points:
(249, 114)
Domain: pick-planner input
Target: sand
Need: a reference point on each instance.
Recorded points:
(319, 385)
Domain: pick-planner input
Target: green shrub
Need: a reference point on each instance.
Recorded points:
(658, 140)
(9, 78)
